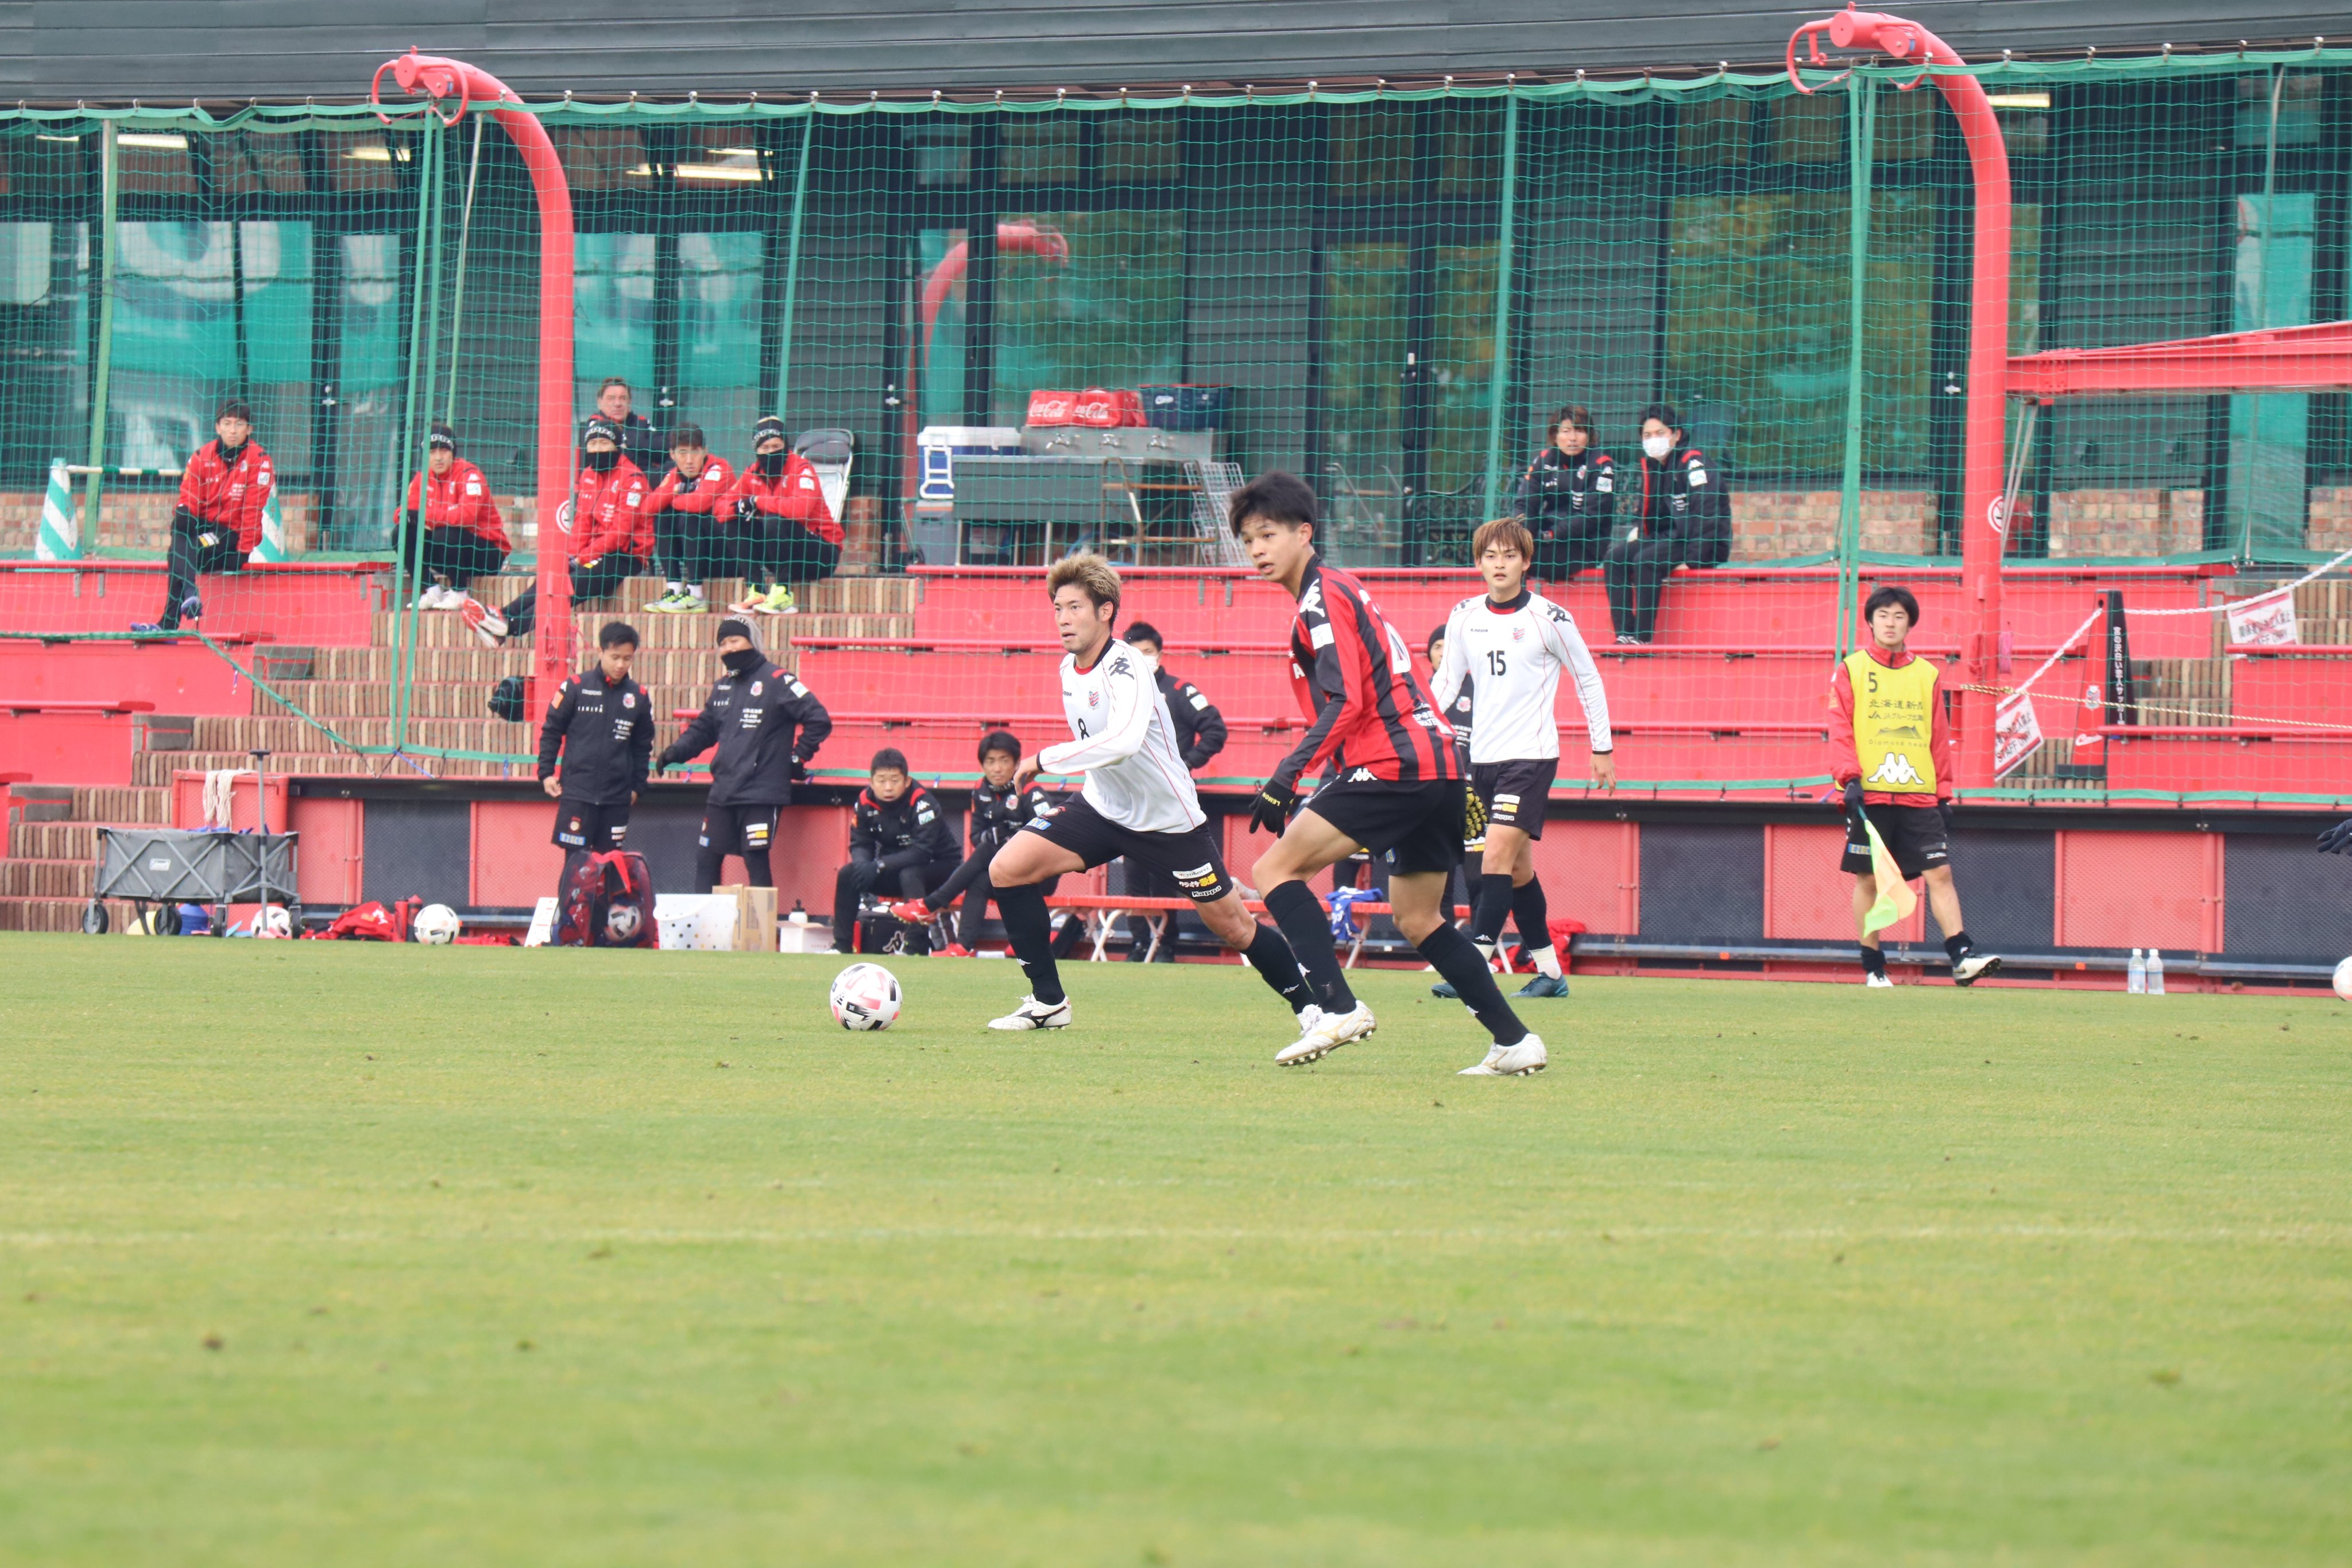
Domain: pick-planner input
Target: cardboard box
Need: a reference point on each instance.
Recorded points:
(755, 916)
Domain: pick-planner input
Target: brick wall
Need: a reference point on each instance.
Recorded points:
(2331, 519)
(1774, 524)
(2126, 522)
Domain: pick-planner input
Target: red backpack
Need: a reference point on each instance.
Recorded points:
(608, 902)
(373, 921)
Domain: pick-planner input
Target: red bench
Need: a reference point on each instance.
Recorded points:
(305, 602)
(69, 742)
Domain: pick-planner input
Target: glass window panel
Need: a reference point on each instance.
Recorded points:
(154, 162)
(1111, 314)
(1371, 152)
(363, 162)
(44, 159)
(1461, 363)
(1469, 151)
(368, 388)
(45, 333)
(941, 151)
(718, 331)
(2297, 96)
(1141, 149)
(2269, 436)
(1906, 124)
(612, 311)
(1039, 152)
(1809, 129)
(939, 334)
(1364, 308)
(176, 343)
(602, 158)
(1712, 133)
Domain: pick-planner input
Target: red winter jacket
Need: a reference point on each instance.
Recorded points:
(699, 496)
(794, 495)
(609, 515)
(460, 499)
(231, 494)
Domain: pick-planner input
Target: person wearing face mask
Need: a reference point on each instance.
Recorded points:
(612, 536)
(463, 537)
(767, 726)
(684, 527)
(1681, 517)
(786, 533)
(223, 493)
(1568, 499)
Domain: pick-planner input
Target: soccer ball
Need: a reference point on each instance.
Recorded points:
(436, 924)
(865, 996)
(622, 922)
(273, 921)
(2344, 979)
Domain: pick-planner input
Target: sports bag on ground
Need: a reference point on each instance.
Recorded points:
(608, 902)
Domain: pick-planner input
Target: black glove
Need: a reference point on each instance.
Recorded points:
(1853, 795)
(861, 876)
(1950, 808)
(2337, 840)
(665, 761)
(800, 771)
(1271, 810)
(746, 508)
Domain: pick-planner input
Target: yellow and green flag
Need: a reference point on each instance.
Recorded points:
(1896, 900)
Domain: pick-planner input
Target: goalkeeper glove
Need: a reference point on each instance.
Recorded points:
(1271, 809)
(1853, 795)
(2337, 840)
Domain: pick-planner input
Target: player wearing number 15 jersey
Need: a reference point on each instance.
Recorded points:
(1507, 647)
(1138, 802)
(1397, 788)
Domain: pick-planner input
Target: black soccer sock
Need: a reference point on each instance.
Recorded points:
(1277, 966)
(1494, 906)
(1873, 961)
(1464, 967)
(1531, 912)
(1957, 946)
(1030, 929)
(1306, 927)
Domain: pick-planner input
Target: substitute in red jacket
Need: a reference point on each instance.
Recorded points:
(463, 537)
(689, 536)
(1892, 753)
(223, 493)
(785, 533)
(611, 535)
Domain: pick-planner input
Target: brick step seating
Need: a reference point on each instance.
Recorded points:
(833, 595)
(154, 769)
(342, 703)
(447, 629)
(295, 601)
(1730, 606)
(484, 666)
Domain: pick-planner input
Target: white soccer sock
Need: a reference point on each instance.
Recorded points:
(675, 587)
(1546, 961)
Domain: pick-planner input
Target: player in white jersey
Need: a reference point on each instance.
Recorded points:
(1509, 647)
(1138, 802)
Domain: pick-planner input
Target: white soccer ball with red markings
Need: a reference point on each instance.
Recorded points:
(2344, 979)
(437, 926)
(866, 997)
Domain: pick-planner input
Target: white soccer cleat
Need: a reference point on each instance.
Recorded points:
(1326, 1034)
(1485, 1069)
(1517, 1060)
(1877, 982)
(1974, 966)
(1034, 1014)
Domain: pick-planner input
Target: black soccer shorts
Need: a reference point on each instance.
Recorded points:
(1516, 792)
(1914, 835)
(1189, 859)
(738, 830)
(581, 826)
(1417, 826)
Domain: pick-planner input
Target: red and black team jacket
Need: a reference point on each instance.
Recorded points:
(460, 499)
(230, 495)
(794, 495)
(609, 514)
(1354, 679)
(698, 497)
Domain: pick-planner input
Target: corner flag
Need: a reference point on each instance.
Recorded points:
(1896, 900)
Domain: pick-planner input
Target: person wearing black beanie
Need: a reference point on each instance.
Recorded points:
(611, 535)
(766, 726)
(463, 536)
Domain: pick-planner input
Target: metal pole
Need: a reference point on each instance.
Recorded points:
(110, 187)
(1862, 119)
(792, 261)
(404, 612)
(1498, 383)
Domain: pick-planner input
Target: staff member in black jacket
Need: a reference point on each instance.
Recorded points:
(1568, 497)
(900, 841)
(1200, 734)
(751, 715)
(998, 808)
(1680, 517)
(601, 726)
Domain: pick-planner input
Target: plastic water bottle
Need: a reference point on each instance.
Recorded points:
(2137, 984)
(2155, 973)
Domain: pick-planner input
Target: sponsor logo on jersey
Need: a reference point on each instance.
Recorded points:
(1199, 701)
(1320, 634)
(1518, 633)
(1093, 698)
(1895, 770)
(1506, 800)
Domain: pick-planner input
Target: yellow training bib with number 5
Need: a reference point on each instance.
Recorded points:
(1894, 714)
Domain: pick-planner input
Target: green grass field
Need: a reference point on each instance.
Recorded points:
(351, 1255)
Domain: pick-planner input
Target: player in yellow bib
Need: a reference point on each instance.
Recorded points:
(1891, 751)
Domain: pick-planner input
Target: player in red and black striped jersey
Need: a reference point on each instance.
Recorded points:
(1396, 786)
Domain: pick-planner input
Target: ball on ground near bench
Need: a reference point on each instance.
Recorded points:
(866, 997)
(436, 924)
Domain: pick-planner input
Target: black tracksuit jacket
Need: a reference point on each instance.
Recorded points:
(1200, 727)
(911, 830)
(752, 719)
(604, 732)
